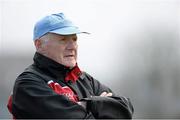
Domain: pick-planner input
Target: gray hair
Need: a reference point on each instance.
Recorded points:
(45, 38)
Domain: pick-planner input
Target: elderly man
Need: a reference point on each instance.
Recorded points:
(55, 87)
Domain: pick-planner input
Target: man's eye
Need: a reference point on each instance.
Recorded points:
(63, 39)
(75, 39)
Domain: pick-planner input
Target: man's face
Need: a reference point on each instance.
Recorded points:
(60, 48)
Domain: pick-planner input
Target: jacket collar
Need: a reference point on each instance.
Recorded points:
(55, 69)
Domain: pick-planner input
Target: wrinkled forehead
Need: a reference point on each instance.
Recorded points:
(52, 36)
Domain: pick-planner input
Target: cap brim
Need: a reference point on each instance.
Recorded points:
(68, 31)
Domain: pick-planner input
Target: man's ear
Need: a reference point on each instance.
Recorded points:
(38, 43)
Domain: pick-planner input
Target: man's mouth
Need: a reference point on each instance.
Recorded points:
(69, 56)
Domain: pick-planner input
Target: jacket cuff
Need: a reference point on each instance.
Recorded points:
(109, 107)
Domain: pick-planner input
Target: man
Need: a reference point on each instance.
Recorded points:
(55, 87)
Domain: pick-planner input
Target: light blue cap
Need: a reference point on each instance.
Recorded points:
(55, 23)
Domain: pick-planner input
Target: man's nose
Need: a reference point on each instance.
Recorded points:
(71, 44)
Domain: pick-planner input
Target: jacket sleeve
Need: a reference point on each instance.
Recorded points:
(34, 99)
(114, 107)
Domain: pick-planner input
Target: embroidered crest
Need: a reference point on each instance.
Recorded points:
(66, 91)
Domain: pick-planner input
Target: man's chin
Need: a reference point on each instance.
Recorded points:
(71, 64)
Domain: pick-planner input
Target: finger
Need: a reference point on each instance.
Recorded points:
(103, 94)
(83, 104)
(109, 94)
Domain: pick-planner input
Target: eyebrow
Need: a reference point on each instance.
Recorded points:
(66, 36)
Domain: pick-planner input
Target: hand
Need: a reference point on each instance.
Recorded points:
(105, 94)
(83, 104)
